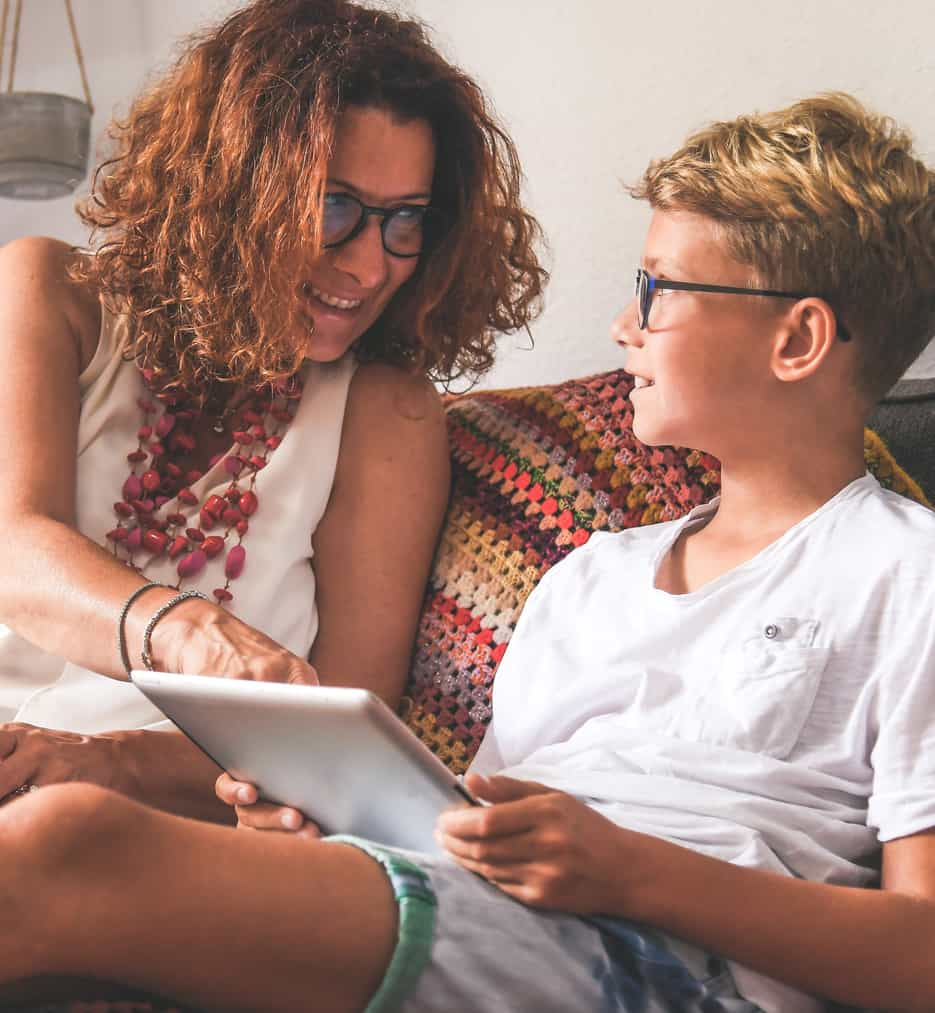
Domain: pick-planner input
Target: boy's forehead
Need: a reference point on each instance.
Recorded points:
(682, 241)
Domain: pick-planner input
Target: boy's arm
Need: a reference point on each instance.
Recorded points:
(855, 945)
(859, 946)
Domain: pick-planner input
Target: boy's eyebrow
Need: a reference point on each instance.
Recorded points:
(661, 264)
(343, 183)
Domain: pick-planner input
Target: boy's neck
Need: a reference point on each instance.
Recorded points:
(761, 499)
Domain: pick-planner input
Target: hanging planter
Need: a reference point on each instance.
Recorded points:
(45, 138)
(44, 143)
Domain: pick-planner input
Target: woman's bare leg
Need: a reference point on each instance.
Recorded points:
(95, 885)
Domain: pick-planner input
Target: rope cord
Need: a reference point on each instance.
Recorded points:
(79, 55)
(14, 46)
(3, 21)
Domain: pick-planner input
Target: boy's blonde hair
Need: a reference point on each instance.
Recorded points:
(822, 197)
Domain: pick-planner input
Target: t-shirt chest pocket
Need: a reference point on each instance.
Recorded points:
(764, 688)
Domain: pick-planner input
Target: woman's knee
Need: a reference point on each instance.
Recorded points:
(54, 827)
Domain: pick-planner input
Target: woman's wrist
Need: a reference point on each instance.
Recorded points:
(146, 652)
(122, 648)
(165, 770)
(172, 629)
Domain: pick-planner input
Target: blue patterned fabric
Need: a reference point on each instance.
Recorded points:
(643, 974)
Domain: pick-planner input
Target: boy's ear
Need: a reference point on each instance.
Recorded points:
(807, 335)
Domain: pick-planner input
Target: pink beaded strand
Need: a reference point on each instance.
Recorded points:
(259, 426)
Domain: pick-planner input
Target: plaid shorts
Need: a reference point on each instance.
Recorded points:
(465, 945)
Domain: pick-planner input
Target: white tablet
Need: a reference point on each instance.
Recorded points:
(341, 756)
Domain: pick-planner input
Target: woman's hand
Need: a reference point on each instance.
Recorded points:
(39, 756)
(255, 815)
(545, 848)
(200, 638)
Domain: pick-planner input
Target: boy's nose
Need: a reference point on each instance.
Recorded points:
(625, 330)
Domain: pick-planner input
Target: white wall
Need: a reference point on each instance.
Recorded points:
(591, 90)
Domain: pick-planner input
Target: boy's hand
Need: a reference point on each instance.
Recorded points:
(254, 815)
(541, 846)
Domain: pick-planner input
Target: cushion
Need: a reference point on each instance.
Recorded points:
(535, 471)
(905, 420)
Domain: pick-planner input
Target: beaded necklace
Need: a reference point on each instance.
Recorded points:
(259, 424)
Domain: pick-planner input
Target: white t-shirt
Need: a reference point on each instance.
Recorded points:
(780, 716)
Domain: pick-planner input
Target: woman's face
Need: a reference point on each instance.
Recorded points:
(383, 162)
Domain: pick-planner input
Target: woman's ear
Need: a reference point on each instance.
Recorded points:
(807, 334)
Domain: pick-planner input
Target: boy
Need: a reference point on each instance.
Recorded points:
(728, 712)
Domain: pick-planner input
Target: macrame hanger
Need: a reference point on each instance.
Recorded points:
(79, 56)
(14, 45)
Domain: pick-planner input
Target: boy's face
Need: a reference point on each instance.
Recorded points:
(702, 362)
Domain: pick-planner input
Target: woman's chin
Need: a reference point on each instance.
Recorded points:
(327, 348)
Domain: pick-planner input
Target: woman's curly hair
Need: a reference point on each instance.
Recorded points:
(215, 191)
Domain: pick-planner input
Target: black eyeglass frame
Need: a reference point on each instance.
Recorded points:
(430, 216)
(646, 284)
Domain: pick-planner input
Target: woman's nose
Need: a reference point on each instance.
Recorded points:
(364, 257)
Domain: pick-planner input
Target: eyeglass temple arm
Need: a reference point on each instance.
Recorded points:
(689, 286)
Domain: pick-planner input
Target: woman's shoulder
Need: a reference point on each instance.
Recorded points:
(394, 415)
(394, 394)
(37, 270)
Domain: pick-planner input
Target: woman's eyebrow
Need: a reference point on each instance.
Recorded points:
(344, 184)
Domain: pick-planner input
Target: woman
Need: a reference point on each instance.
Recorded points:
(303, 223)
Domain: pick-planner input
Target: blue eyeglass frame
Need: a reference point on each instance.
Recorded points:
(430, 216)
(646, 284)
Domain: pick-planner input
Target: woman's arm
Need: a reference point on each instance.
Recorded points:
(374, 545)
(373, 550)
(59, 589)
(858, 946)
(163, 769)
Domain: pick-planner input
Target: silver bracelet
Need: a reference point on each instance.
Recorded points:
(159, 613)
(122, 622)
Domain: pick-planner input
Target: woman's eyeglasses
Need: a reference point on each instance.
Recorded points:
(404, 228)
(646, 284)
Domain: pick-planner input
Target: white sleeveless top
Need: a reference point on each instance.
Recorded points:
(276, 591)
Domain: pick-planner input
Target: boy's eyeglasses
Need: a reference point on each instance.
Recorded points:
(646, 284)
(404, 228)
